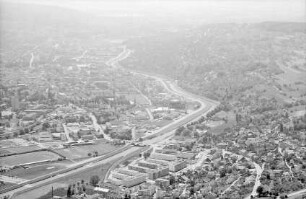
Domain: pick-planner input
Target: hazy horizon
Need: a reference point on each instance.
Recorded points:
(208, 11)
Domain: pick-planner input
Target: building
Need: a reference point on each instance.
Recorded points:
(126, 180)
(162, 182)
(140, 168)
(102, 191)
(45, 137)
(147, 164)
(177, 166)
(161, 156)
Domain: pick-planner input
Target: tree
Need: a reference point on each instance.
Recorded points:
(186, 133)
(94, 180)
(259, 190)
(21, 132)
(179, 130)
(191, 191)
(172, 180)
(146, 155)
(69, 192)
(82, 119)
(45, 126)
(16, 134)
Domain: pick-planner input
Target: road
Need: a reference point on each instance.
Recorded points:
(259, 171)
(98, 127)
(69, 139)
(231, 185)
(286, 163)
(202, 157)
(31, 60)
(114, 62)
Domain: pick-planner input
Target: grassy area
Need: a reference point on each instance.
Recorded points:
(7, 143)
(100, 171)
(22, 149)
(6, 185)
(41, 191)
(77, 152)
(35, 171)
(139, 98)
(64, 182)
(62, 192)
(161, 123)
(218, 127)
(28, 157)
(4, 151)
(183, 138)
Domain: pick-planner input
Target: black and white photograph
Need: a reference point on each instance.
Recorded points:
(152, 99)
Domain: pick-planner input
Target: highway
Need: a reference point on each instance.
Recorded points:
(156, 137)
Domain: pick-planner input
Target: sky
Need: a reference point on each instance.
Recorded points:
(207, 11)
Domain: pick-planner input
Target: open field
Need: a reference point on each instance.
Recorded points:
(16, 142)
(35, 171)
(157, 123)
(4, 151)
(213, 124)
(28, 157)
(162, 123)
(139, 135)
(139, 98)
(77, 152)
(6, 185)
(64, 182)
(41, 191)
(20, 149)
(297, 111)
(290, 76)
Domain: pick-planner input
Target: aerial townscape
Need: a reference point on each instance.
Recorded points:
(142, 99)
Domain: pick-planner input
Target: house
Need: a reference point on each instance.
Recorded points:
(45, 136)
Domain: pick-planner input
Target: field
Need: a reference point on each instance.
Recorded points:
(213, 124)
(77, 152)
(157, 123)
(4, 151)
(139, 98)
(28, 157)
(293, 83)
(65, 181)
(297, 111)
(139, 134)
(36, 171)
(41, 191)
(162, 123)
(20, 149)
(6, 185)
(218, 127)
(16, 142)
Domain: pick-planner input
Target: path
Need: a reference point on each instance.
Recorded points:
(69, 139)
(98, 127)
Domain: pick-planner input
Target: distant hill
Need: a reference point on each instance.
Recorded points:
(287, 27)
(216, 59)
